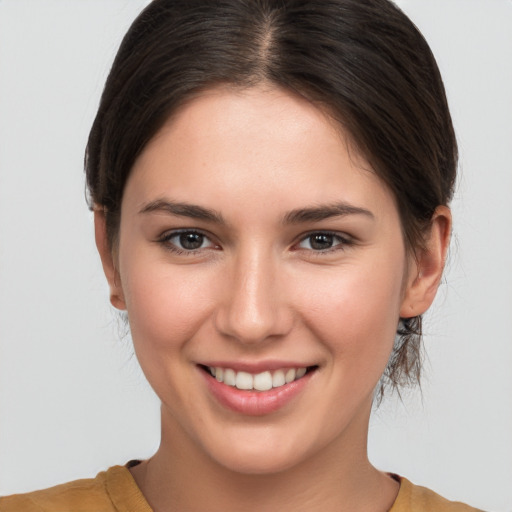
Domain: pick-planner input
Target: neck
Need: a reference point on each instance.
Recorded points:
(339, 478)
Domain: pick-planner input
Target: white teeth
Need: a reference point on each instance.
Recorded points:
(278, 379)
(244, 380)
(263, 381)
(229, 377)
(290, 375)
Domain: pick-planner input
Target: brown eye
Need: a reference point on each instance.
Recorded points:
(321, 241)
(324, 242)
(191, 241)
(186, 241)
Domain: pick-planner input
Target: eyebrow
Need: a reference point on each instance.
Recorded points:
(322, 212)
(183, 210)
(310, 214)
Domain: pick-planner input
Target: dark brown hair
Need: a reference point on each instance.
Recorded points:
(363, 61)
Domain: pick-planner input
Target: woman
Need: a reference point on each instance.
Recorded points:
(270, 183)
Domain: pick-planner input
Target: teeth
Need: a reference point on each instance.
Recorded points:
(290, 375)
(263, 381)
(278, 379)
(244, 380)
(300, 372)
(259, 382)
(229, 377)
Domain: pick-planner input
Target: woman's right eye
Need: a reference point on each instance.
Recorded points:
(186, 241)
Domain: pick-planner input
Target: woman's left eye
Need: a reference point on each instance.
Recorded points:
(323, 242)
(186, 241)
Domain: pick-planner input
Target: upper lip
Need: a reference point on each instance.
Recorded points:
(255, 367)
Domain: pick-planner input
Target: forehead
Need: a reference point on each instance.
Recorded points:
(264, 143)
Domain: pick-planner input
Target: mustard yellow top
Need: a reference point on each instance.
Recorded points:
(115, 490)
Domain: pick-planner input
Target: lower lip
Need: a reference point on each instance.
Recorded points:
(255, 403)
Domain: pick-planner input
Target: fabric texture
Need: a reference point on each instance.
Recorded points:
(414, 498)
(115, 490)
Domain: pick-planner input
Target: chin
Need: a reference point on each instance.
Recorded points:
(262, 463)
(260, 451)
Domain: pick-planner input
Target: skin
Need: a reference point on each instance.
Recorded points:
(257, 290)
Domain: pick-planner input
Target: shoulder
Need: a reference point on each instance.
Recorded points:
(101, 494)
(414, 498)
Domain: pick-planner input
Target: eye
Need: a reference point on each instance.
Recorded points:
(186, 241)
(322, 241)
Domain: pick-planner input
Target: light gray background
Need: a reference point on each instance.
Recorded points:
(72, 399)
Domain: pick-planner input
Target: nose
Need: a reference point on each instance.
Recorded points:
(254, 308)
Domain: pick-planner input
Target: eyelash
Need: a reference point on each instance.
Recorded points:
(166, 238)
(342, 242)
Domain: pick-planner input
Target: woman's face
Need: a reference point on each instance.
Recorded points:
(255, 246)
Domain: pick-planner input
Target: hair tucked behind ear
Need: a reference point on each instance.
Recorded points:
(405, 363)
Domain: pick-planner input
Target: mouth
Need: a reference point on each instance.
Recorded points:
(257, 388)
(262, 381)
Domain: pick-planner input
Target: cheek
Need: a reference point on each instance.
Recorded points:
(166, 309)
(355, 310)
(166, 305)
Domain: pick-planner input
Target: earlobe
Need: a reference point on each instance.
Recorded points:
(108, 260)
(425, 276)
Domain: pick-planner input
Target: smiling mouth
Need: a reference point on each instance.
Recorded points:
(263, 381)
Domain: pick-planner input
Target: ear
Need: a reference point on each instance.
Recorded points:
(108, 260)
(426, 269)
